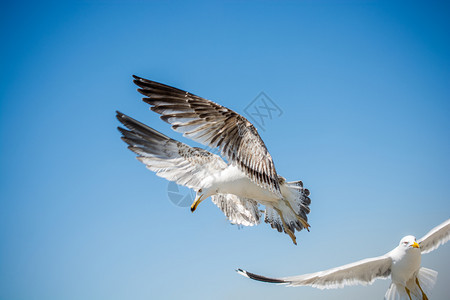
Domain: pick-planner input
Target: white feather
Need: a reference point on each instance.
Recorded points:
(437, 236)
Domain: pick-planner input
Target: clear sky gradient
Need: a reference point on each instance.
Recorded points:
(364, 90)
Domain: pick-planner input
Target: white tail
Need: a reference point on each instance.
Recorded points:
(298, 197)
(294, 208)
(425, 277)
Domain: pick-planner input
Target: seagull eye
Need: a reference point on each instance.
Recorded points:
(406, 243)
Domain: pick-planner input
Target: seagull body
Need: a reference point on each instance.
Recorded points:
(406, 259)
(238, 187)
(409, 279)
(231, 180)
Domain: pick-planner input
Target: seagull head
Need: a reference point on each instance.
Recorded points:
(409, 242)
(201, 195)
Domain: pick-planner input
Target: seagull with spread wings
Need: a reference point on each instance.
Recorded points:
(237, 187)
(409, 280)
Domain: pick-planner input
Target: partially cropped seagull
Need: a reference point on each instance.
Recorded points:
(409, 280)
(237, 187)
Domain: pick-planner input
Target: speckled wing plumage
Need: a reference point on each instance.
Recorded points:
(240, 211)
(216, 126)
(436, 237)
(361, 272)
(167, 157)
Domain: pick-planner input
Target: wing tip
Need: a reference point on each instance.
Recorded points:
(259, 277)
(122, 130)
(120, 116)
(242, 272)
(141, 83)
(123, 118)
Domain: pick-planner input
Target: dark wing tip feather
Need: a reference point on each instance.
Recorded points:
(141, 91)
(119, 115)
(123, 118)
(137, 127)
(153, 87)
(259, 277)
(122, 130)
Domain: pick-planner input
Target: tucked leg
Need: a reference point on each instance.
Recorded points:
(424, 297)
(408, 292)
(286, 228)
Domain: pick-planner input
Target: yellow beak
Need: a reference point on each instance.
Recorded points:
(196, 203)
(415, 245)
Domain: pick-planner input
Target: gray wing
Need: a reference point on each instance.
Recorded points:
(240, 211)
(361, 272)
(437, 236)
(216, 126)
(169, 158)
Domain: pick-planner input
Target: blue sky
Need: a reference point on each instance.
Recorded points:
(364, 91)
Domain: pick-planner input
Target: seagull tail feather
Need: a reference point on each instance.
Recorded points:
(298, 198)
